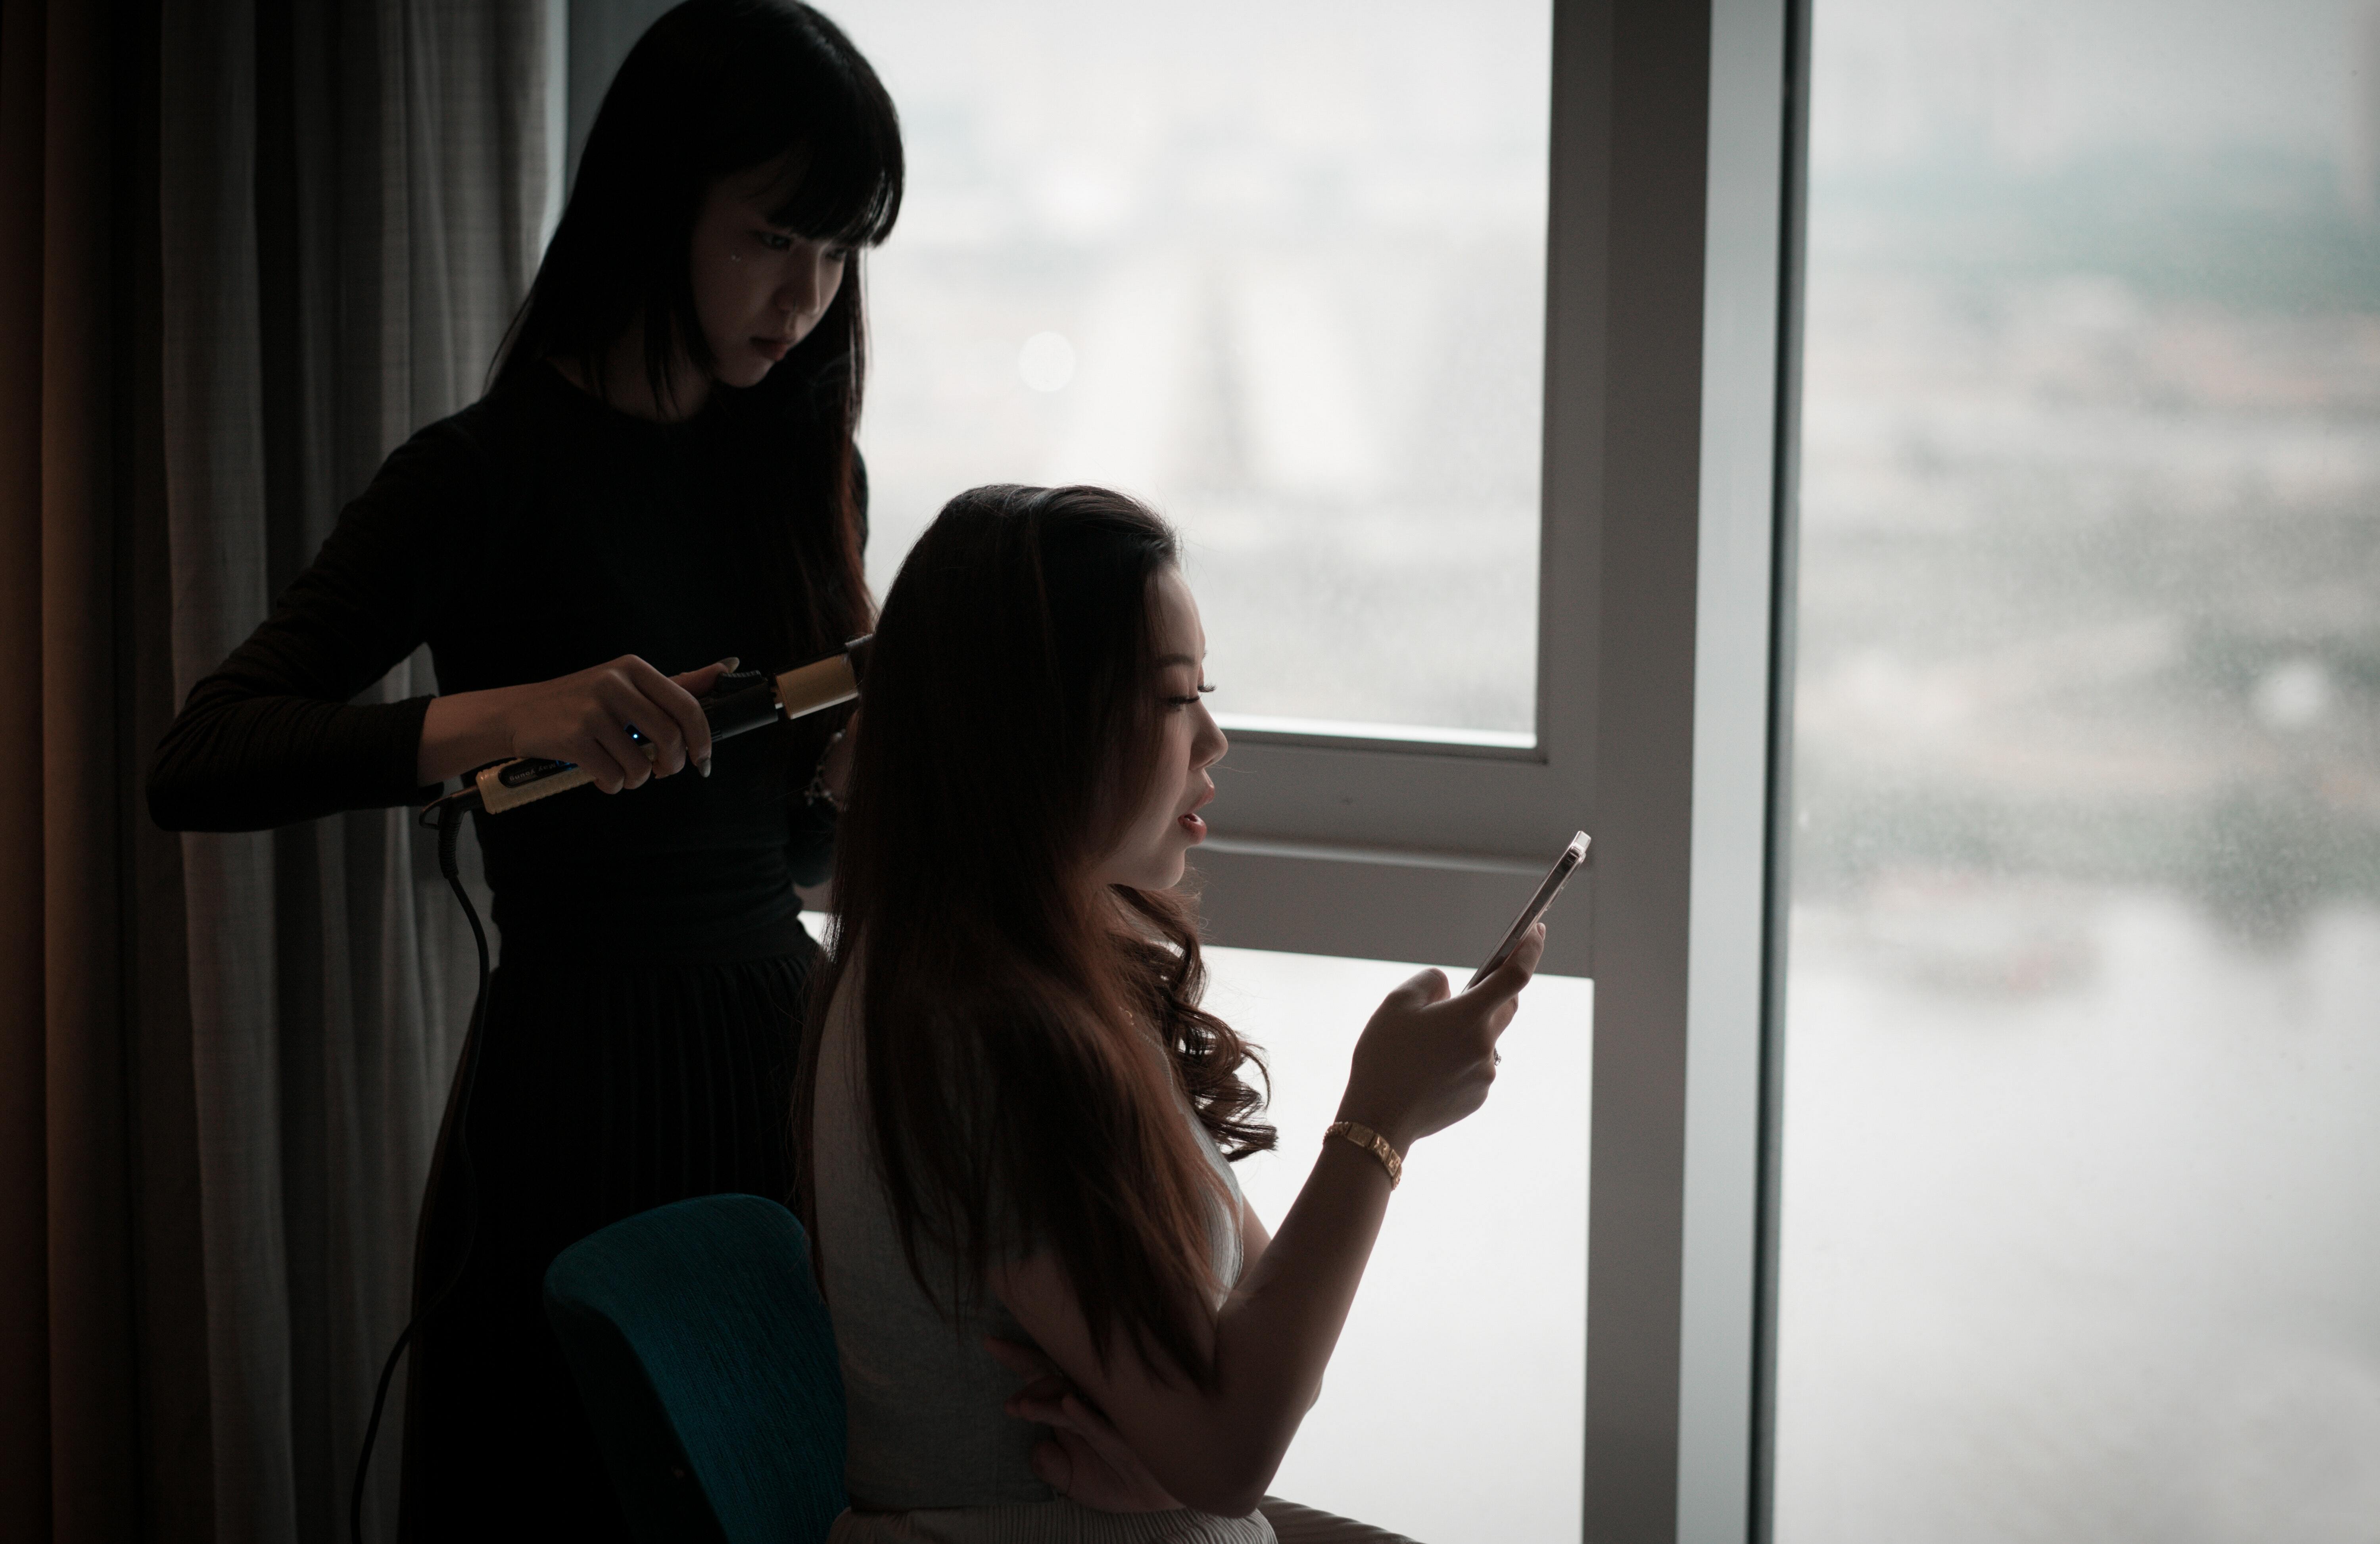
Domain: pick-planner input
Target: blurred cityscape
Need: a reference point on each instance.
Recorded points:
(2090, 533)
(2082, 1230)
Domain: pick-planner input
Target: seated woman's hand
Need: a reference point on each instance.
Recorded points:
(1085, 1460)
(1428, 1055)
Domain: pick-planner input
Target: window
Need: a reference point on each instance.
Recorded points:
(1603, 659)
(2081, 1232)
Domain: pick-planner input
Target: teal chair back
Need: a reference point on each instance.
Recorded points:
(707, 1363)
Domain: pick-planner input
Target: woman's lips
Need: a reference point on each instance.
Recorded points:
(1193, 825)
(776, 348)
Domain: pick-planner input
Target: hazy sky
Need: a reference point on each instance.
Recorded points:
(2032, 82)
(1086, 119)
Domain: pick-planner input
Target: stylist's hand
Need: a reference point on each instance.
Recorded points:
(583, 718)
(1426, 1058)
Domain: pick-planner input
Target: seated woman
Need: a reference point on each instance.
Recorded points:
(1057, 1318)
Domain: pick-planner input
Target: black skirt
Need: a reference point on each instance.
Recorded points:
(604, 1089)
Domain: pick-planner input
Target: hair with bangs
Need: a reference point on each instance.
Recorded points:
(714, 89)
(1028, 1034)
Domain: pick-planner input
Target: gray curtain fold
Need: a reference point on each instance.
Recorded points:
(352, 197)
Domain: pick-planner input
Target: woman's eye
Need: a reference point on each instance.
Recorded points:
(776, 241)
(1188, 699)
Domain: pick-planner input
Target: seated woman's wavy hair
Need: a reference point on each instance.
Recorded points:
(1028, 1034)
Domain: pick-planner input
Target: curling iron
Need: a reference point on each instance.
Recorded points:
(740, 700)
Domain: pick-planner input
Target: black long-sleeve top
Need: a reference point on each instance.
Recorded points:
(533, 534)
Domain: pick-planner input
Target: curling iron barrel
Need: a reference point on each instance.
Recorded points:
(739, 702)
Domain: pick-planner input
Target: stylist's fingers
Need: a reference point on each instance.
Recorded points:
(673, 720)
(703, 677)
(639, 697)
(590, 755)
(603, 748)
(617, 714)
(696, 683)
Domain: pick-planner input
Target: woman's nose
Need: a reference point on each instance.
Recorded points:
(1209, 747)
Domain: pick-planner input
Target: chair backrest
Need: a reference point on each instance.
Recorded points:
(707, 1367)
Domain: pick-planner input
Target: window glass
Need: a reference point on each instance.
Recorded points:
(2081, 1219)
(1455, 1407)
(1276, 266)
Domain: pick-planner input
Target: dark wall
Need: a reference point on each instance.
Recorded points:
(601, 32)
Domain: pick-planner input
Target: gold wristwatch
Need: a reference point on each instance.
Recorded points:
(1374, 1143)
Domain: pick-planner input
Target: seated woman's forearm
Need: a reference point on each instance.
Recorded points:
(1424, 1061)
(1274, 1339)
(1217, 1448)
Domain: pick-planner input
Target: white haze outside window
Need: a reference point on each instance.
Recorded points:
(2081, 1216)
(1276, 266)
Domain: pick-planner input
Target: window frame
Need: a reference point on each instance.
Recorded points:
(1663, 726)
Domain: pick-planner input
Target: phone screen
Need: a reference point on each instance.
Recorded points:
(1571, 856)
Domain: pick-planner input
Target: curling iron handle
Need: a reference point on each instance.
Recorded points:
(496, 795)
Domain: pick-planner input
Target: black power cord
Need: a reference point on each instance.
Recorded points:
(447, 815)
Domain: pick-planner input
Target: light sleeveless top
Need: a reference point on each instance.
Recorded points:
(933, 1457)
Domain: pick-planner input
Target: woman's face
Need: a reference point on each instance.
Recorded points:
(1157, 837)
(759, 288)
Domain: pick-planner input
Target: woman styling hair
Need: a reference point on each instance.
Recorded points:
(661, 475)
(1016, 1115)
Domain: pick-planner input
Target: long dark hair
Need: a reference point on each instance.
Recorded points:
(1028, 1035)
(716, 88)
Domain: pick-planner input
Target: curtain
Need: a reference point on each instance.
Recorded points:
(354, 200)
(104, 1408)
(245, 248)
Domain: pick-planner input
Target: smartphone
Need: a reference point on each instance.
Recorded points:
(1572, 856)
